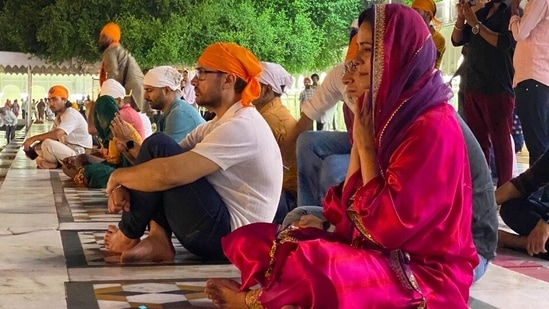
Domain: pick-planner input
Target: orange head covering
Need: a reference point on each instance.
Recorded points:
(352, 50)
(58, 91)
(112, 30)
(235, 59)
(430, 7)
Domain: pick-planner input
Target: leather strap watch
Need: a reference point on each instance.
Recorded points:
(476, 28)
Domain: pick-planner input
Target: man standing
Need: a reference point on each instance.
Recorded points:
(531, 81)
(68, 136)
(8, 118)
(119, 64)
(488, 94)
(225, 174)
(307, 93)
(275, 80)
(187, 89)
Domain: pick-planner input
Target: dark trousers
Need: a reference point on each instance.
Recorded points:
(286, 204)
(10, 133)
(522, 215)
(489, 116)
(533, 110)
(194, 212)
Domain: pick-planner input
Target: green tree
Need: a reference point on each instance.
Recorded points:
(299, 34)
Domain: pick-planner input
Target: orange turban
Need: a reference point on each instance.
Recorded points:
(112, 30)
(428, 6)
(352, 50)
(58, 91)
(235, 59)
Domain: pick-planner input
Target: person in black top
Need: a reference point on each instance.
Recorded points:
(488, 91)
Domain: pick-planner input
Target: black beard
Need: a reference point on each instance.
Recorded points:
(103, 46)
(497, 1)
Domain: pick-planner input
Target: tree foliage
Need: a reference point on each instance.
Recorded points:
(299, 34)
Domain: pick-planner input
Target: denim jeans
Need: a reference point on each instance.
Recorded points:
(479, 271)
(194, 212)
(532, 107)
(10, 133)
(322, 161)
(300, 211)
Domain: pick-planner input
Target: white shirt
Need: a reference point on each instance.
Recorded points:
(531, 31)
(75, 126)
(243, 146)
(8, 118)
(147, 126)
(326, 96)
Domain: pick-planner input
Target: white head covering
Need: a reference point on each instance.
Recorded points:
(276, 76)
(113, 88)
(163, 76)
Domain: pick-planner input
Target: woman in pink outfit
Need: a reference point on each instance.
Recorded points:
(398, 230)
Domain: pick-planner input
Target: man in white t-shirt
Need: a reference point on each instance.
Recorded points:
(225, 174)
(68, 135)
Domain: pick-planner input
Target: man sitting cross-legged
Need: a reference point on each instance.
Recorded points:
(68, 135)
(225, 174)
(274, 80)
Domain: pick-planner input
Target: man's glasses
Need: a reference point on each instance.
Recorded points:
(201, 73)
(350, 67)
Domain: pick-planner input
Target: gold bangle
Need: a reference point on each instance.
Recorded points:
(458, 28)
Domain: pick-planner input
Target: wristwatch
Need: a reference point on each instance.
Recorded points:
(476, 28)
(130, 145)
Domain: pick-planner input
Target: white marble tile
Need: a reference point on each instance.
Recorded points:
(504, 288)
(153, 272)
(28, 222)
(34, 300)
(83, 226)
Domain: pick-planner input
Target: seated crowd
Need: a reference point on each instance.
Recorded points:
(401, 206)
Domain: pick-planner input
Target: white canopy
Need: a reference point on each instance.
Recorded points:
(21, 63)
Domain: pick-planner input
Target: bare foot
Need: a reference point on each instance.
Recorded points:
(117, 242)
(225, 293)
(157, 247)
(506, 239)
(41, 163)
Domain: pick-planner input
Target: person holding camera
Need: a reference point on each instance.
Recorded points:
(68, 136)
(488, 91)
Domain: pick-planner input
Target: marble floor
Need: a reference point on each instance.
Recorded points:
(53, 255)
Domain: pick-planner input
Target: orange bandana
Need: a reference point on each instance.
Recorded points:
(58, 91)
(235, 59)
(352, 50)
(112, 30)
(428, 6)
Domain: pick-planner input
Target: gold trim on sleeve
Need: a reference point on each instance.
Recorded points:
(252, 299)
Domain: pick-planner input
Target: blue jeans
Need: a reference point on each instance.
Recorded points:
(194, 212)
(532, 107)
(322, 161)
(10, 133)
(296, 214)
(479, 271)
